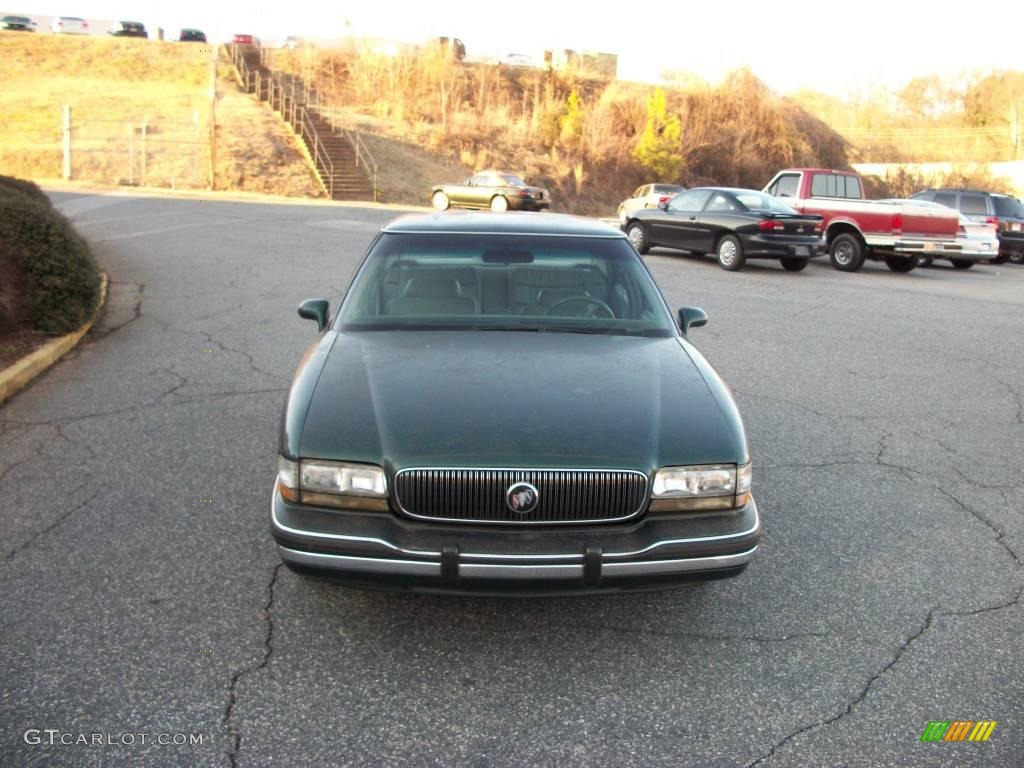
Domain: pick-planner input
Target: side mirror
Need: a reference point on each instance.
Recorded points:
(692, 317)
(315, 309)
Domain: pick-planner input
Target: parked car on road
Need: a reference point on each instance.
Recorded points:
(245, 40)
(978, 242)
(192, 36)
(734, 224)
(857, 229)
(17, 24)
(129, 29)
(69, 25)
(647, 196)
(497, 190)
(517, 60)
(1004, 212)
(505, 403)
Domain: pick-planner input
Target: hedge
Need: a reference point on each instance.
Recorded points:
(61, 274)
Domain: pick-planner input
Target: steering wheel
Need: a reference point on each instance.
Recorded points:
(596, 305)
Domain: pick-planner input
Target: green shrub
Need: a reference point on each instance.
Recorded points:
(10, 185)
(61, 274)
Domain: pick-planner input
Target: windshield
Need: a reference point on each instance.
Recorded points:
(1008, 207)
(756, 201)
(431, 281)
(512, 180)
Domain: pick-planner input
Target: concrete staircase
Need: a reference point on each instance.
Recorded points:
(343, 165)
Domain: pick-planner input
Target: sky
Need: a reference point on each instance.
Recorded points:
(838, 47)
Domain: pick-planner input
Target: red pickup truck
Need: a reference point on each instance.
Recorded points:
(857, 229)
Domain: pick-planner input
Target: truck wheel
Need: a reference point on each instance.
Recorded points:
(730, 253)
(637, 236)
(847, 252)
(1017, 257)
(791, 264)
(901, 263)
(962, 263)
(925, 261)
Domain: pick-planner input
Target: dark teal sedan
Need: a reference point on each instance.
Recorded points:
(505, 404)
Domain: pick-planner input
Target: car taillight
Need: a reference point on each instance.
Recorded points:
(523, 193)
(993, 221)
(664, 199)
(897, 223)
(770, 226)
(818, 227)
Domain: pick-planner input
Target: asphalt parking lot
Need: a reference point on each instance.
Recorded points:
(141, 592)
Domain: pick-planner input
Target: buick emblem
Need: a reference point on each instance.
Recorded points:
(522, 498)
(799, 229)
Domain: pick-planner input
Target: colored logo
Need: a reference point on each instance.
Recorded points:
(958, 730)
(522, 498)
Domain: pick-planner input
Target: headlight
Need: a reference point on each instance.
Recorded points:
(332, 484)
(714, 486)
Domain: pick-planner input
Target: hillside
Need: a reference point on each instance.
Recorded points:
(591, 142)
(140, 114)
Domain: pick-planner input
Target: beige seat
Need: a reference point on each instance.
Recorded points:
(432, 296)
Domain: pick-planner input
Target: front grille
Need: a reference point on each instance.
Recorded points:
(478, 495)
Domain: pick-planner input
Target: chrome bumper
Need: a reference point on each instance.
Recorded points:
(503, 571)
(458, 559)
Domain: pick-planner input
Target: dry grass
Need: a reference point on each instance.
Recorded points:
(117, 86)
(576, 136)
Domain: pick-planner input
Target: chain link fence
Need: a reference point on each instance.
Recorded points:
(140, 152)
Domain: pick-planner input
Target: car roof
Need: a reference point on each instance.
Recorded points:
(509, 223)
(963, 189)
(730, 190)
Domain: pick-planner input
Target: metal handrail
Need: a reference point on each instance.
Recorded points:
(364, 156)
(312, 138)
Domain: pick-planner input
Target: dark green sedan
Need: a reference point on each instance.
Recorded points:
(497, 190)
(505, 404)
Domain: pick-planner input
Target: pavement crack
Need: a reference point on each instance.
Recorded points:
(1000, 533)
(862, 694)
(102, 330)
(234, 735)
(1016, 396)
(60, 519)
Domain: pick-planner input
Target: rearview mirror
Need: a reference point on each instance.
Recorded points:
(315, 309)
(692, 317)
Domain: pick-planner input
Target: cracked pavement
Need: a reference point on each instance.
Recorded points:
(141, 591)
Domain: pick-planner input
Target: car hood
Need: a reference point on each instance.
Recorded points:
(515, 399)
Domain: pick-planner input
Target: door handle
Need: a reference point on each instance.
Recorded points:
(693, 218)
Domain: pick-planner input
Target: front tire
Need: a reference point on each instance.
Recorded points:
(499, 204)
(1017, 257)
(637, 236)
(791, 264)
(901, 263)
(847, 252)
(962, 263)
(730, 253)
(440, 201)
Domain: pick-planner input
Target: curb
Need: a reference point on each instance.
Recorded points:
(16, 376)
